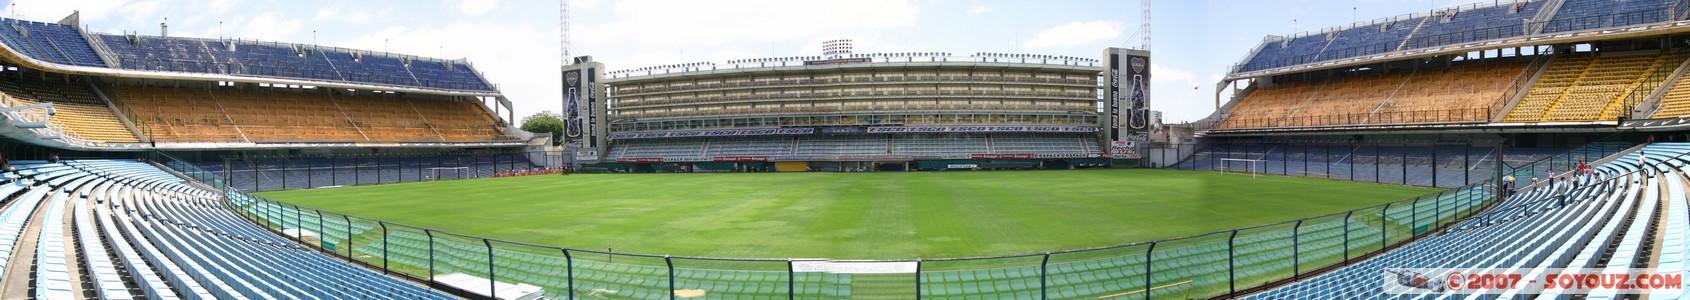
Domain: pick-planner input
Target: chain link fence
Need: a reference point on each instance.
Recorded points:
(283, 172)
(1443, 164)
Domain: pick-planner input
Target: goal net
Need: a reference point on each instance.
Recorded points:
(1253, 166)
(441, 173)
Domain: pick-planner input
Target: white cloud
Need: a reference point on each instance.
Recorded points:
(660, 23)
(1077, 34)
(52, 10)
(339, 13)
(1182, 95)
(584, 4)
(222, 6)
(1161, 74)
(142, 12)
(270, 26)
(477, 7)
(978, 9)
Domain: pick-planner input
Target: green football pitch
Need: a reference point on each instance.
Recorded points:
(890, 215)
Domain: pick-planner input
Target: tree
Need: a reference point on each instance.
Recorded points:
(545, 124)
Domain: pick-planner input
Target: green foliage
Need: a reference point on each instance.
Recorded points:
(545, 124)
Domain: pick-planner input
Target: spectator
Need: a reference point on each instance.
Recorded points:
(53, 157)
(1642, 163)
(1508, 185)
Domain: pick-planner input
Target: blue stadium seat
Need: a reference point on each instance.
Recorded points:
(176, 241)
(1569, 223)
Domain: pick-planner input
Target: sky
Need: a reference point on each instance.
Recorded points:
(516, 44)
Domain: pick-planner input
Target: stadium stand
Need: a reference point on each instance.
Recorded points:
(225, 115)
(80, 113)
(1581, 88)
(1444, 26)
(1676, 101)
(284, 60)
(1452, 26)
(174, 241)
(54, 43)
(177, 115)
(1473, 23)
(68, 45)
(1466, 93)
(1592, 14)
(1636, 217)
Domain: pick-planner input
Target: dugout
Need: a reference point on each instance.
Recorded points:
(723, 167)
(713, 167)
(610, 167)
(792, 166)
(841, 166)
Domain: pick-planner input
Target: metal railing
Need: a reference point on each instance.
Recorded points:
(1486, 35)
(1222, 263)
(1383, 117)
(53, 130)
(864, 58)
(641, 91)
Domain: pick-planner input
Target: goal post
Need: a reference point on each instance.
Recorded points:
(1253, 165)
(436, 173)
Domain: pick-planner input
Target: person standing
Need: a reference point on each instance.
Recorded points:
(1508, 186)
(1642, 163)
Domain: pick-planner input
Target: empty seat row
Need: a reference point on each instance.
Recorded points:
(131, 231)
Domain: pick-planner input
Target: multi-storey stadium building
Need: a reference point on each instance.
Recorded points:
(895, 111)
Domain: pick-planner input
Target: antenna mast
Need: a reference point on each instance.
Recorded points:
(563, 29)
(1144, 29)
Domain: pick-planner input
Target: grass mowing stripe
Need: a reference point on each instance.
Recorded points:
(891, 215)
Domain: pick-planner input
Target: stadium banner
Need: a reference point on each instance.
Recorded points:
(586, 155)
(751, 158)
(703, 133)
(841, 130)
(1124, 149)
(1138, 95)
(837, 61)
(640, 159)
(592, 117)
(1001, 156)
(887, 157)
(1493, 281)
(572, 86)
(1115, 95)
(935, 129)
